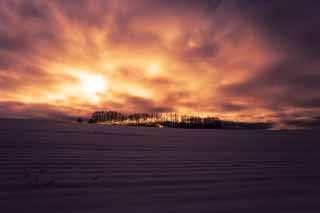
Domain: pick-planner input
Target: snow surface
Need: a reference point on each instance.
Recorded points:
(49, 166)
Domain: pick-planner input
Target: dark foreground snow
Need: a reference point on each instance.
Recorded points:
(48, 166)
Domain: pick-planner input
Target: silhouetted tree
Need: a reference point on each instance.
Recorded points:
(91, 121)
(162, 119)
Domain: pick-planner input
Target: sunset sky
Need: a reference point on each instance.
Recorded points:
(245, 60)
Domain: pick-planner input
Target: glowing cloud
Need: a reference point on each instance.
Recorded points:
(226, 58)
(153, 69)
(90, 84)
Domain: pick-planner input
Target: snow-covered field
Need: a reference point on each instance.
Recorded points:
(48, 166)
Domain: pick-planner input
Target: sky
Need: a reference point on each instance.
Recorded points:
(240, 60)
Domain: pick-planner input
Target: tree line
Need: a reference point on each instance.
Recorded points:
(155, 120)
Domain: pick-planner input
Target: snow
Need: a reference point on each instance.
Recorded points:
(51, 166)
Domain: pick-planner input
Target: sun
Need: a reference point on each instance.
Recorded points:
(153, 69)
(91, 85)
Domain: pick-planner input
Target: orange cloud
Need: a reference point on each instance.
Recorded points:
(216, 57)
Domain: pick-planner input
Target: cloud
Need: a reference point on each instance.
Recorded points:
(22, 110)
(291, 24)
(306, 123)
(241, 60)
(285, 83)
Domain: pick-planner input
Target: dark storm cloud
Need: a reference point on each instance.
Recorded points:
(11, 43)
(292, 28)
(26, 28)
(285, 83)
(32, 9)
(294, 24)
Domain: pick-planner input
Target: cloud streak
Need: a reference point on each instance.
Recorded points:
(239, 60)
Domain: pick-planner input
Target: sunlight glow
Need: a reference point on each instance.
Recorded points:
(140, 92)
(91, 85)
(153, 69)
